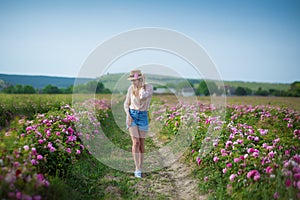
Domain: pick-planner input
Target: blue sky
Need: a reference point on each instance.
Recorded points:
(247, 40)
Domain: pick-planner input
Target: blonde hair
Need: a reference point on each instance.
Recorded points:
(141, 84)
(135, 90)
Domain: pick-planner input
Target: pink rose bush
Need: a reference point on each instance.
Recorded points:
(32, 150)
(254, 156)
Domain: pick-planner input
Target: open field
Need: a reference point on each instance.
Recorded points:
(290, 102)
(252, 152)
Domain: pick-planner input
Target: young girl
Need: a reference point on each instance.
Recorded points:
(136, 107)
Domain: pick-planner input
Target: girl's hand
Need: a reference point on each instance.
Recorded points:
(128, 120)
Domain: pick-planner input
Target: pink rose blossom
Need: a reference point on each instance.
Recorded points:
(276, 195)
(52, 149)
(198, 160)
(287, 152)
(224, 170)
(215, 159)
(263, 131)
(228, 143)
(229, 165)
(33, 162)
(16, 164)
(288, 183)
(232, 177)
(276, 140)
(270, 147)
(271, 154)
(46, 183)
(39, 157)
(269, 170)
(18, 195)
(255, 154)
(215, 144)
(70, 130)
(252, 173)
(37, 197)
(250, 150)
(33, 151)
(26, 147)
(49, 145)
(68, 150)
(40, 177)
(264, 145)
(256, 177)
(297, 176)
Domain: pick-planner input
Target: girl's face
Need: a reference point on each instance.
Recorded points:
(135, 82)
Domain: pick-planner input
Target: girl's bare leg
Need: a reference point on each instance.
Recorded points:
(142, 148)
(135, 146)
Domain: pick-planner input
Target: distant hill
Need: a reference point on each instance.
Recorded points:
(255, 85)
(112, 80)
(119, 81)
(40, 81)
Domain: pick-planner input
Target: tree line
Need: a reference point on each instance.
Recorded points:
(89, 87)
(206, 88)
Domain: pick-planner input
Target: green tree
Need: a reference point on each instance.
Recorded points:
(207, 88)
(295, 89)
(50, 89)
(19, 89)
(100, 87)
(261, 92)
(9, 89)
(243, 91)
(91, 87)
(240, 91)
(68, 90)
(28, 89)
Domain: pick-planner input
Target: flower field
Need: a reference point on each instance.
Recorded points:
(254, 153)
(37, 146)
(249, 152)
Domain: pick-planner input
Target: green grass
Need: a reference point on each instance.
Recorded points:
(91, 179)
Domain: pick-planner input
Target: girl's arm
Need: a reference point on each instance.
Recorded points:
(127, 101)
(146, 92)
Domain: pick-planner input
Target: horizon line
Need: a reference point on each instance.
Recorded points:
(109, 73)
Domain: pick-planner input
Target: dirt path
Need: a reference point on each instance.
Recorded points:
(173, 182)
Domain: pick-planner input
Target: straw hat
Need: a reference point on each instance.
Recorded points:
(135, 74)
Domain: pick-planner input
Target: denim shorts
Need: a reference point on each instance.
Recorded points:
(140, 119)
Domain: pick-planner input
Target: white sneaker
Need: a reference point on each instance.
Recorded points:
(138, 174)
